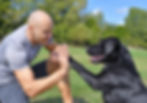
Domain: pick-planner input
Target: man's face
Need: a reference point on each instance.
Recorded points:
(42, 33)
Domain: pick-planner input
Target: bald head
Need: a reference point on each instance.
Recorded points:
(39, 18)
(40, 26)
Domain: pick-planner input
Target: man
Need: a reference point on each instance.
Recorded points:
(17, 50)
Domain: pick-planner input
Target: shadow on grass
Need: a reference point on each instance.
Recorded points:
(58, 100)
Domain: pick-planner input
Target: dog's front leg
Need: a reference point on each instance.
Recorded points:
(90, 78)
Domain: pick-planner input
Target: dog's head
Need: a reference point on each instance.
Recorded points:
(108, 50)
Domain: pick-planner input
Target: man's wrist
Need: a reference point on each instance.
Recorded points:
(63, 70)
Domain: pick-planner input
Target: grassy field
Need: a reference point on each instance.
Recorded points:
(82, 93)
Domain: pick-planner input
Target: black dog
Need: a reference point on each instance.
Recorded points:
(119, 80)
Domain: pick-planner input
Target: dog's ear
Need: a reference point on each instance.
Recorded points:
(109, 47)
(112, 46)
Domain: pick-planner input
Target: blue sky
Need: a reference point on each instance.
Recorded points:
(114, 11)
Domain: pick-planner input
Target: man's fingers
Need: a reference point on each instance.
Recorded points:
(62, 50)
(61, 53)
(65, 50)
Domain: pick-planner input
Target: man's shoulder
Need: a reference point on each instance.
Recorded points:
(16, 37)
(20, 33)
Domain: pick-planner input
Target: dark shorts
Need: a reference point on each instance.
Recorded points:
(13, 93)
(39, 69)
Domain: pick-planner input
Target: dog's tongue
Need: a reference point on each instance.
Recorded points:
(96, 58)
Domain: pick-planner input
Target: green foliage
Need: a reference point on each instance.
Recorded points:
(96, 25)
(80, 34)
(13, 13)
(4, 13)
(136, 23)
(66, 15)
(117, 31)
(71, 26)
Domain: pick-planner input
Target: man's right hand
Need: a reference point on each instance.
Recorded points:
(61, 55)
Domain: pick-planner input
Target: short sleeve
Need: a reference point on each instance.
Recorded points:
(16, 57)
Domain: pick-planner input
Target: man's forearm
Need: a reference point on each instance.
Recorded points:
(64, 87)
(40, 85)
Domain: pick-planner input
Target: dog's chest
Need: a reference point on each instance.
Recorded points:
(118, 96)
(123, 86)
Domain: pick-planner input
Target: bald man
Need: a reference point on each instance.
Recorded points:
(18, 80)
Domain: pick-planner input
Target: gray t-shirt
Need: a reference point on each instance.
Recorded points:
(16, 52)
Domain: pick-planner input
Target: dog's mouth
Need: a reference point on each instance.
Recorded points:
(97, 58)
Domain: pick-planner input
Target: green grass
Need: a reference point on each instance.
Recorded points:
(81, 91)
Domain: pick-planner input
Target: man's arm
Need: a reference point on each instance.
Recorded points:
(64, 87)
(32, 86)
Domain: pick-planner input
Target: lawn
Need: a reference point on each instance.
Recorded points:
(82, 93)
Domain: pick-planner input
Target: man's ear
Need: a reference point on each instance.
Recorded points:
(109, 47)
(29, 27)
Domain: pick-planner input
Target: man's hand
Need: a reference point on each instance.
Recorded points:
(61, 55)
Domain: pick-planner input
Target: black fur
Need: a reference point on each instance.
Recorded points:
(119, 81)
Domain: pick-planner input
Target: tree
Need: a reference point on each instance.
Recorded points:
(65, 13)
(13, 13)
(80, 34)
(95, 23)
(4, 13)
(136, 23)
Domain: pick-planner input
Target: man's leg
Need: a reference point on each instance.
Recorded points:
(12, 93)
